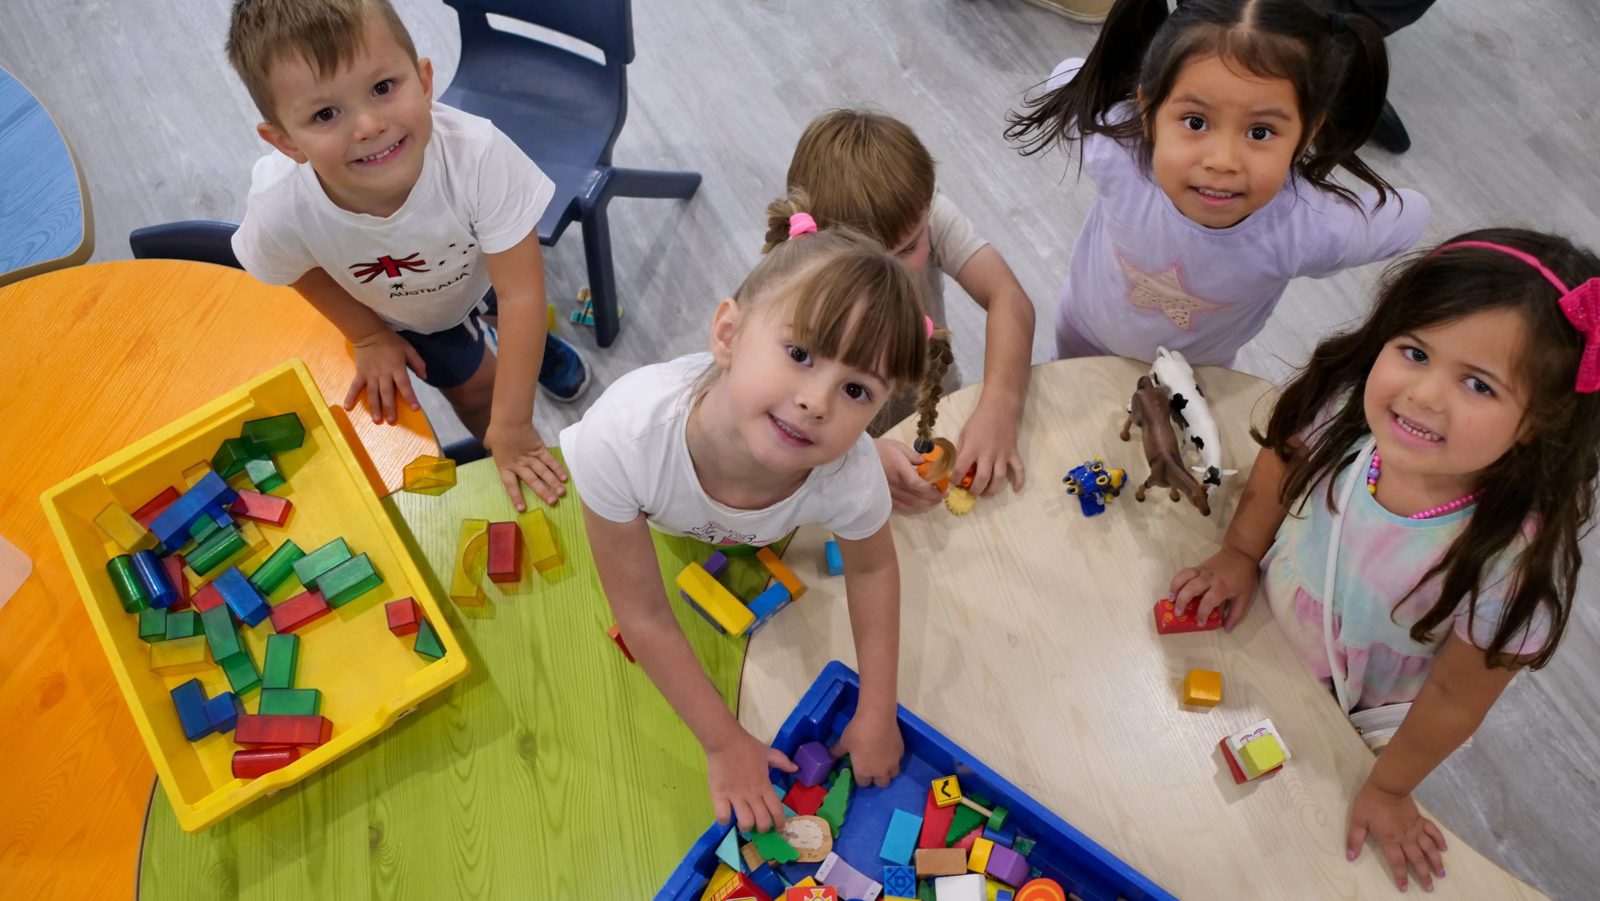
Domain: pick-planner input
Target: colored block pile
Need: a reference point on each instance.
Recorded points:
(497, 550)
(701, 589)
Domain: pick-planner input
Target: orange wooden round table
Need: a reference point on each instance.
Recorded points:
(93, 358)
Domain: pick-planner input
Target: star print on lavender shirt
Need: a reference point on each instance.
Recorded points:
(1164, 291)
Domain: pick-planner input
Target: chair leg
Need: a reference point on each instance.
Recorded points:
(653, 183)
(602, 279)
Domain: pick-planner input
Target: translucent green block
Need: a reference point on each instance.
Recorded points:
(153, 624)
(220, 632)
(233, 454)
(348, 581)
(275, 434)
(183, 624)
(263, 474)
(202, 529)
(428, 644)
(283, 658)
(241, 671)
(290, 702)
(129, 589)
(216, 550)
(269, 575)
(309, 569)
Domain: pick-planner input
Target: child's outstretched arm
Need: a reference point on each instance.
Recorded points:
(519, 452)
(1230, 575)
(872, 587)
(1460, 689)
(736, 761)
(989, 438)
(381, 355)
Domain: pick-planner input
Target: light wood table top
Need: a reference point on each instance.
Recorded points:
(1027, 637)
(45, 218)
(96, 357)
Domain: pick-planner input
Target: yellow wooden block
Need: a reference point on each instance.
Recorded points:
(195, 473)
(124, 529)
(543, 552)
(946, 791)
(716, 888)
(978, 857)
(781, 572)
(428, 474)
(472, 555)
(1202, 688)
(251, 533)
(715, 601)
(180, 655)
(1261, 755)
(994, 887)
(807, 882)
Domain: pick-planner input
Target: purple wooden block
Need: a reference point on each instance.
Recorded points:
(1007, 865)
(850, 882)
(814, 762)
(717, 564)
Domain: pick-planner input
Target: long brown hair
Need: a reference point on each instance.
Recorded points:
(865, 170)
(1548, 482)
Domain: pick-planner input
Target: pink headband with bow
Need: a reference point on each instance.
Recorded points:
(1581, 306)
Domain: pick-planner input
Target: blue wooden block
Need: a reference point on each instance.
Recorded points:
(153, 576)
(765, 604)
(728, 851)
(190, 699)
(900, 841)
(1005, 835)
(835, 560)
(171, 528)
(222, 711)
(767, 878)
(900, 882)
(247, 604)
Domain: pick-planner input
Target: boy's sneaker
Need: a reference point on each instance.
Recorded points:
(563, 375)
(1091, 11)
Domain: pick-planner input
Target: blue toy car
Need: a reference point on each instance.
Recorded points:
(1095, 484)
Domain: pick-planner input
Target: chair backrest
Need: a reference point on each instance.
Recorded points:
(607, 24)
(198, 240)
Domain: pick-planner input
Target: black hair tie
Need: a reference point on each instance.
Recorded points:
(1338, 23)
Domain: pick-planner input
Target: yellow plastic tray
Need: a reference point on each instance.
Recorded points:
(369, 677)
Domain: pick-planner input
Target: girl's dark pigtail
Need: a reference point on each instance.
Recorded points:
(1359, 65)
(940, 356)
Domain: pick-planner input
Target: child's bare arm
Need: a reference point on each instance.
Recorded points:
(519, 452)
(381, 355)
(1230, 575)
(872, 586)
(1461, 688)
(989, 438)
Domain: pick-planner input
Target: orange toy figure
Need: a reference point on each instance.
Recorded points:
(937, 464)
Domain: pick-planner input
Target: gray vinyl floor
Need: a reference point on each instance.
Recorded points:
(1499, 97)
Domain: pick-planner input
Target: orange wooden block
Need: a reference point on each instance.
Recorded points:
(782, 573)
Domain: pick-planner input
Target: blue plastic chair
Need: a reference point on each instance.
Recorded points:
(565, 111)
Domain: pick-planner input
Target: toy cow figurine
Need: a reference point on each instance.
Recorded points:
(1191, 412)
(1149, 409)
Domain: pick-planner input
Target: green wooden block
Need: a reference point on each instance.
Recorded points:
(153, 624)
(773, 846)
(309, 569)
(925, 890)
(1023, 845)
(965, 820)
(130, 590)
(241, 671)
(283, 658)
(220, 632)
(202, 529)
(427, 643)
(290, 702)
(348, 581)
(232, 456)
(275, 434)
(220, 548)
(837, 801)
(183, 624)
(269, 575)
(263, 474)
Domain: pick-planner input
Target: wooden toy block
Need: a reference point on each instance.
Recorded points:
(832, 558)
(275, 434)
(153, 507)
(1257, 751)
(774, 847)
(810, 836)
(837, 801)
(472, 545)
(997, 817)
(505, 552)
(1040, 889)
(179, 656)
(850, 882)
(767, 880)
(781, 572)
(815, 762)
(242, 598)
(207, 597)
(301, 731)
(152, 576)
(900, 839)
(735, 887)
(935, 822)
(427, 643)
(290, 702)
(1002, 836)
(310, 568)
(543, 550)
(203, 528)
(171, 526)
(718, 886)
(716, 564)
(283, 659)
(183, 624)
(190, 700)
(999, 891)
(805, 799)
(174, 565)
(1202, 688)
(978, 855)
(348, 581)
(278, 568)
(243, 677)
(299, 611)
(941, 862)
(218, 549)
(728, 850)
(127, 532)
(1261, 755)
(899, 882)
(969, 887)
(264, 474)
(249, 764)
(1023, 845)
(403, 616)
(233, 454)
(1006, 865)
(812, 892)
(616, 635)
(766, 604)
(711, 600)
(220, 633)
(965, 820)
(153, 624)
(947, 791)
(1169, 622)
(193, 474)
(262, 507)
(429, 475)
(749, 858)
(222, 712)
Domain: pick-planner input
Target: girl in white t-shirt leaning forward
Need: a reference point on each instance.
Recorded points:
(739, 446)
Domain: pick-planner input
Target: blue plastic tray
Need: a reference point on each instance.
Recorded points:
(1063, 853)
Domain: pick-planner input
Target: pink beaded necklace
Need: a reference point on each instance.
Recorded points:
(1431, 512)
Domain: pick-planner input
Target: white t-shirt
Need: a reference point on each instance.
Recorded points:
(422, 267)
(630, 453)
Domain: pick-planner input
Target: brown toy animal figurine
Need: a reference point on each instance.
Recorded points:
(1149, 409)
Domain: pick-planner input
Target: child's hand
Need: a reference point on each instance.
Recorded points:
(740, 786)
(989, 439)
(910, 492)
(1227, 577)
(519, 453)
(381, 361)
(1405, 837)
(875, 748)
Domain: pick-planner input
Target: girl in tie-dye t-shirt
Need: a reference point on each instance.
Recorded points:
(1417, 502)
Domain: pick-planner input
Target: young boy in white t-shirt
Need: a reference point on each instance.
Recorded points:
(395, 216)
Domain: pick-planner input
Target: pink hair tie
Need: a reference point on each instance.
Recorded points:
(802, 224)
(1581, 306)
(927, 324)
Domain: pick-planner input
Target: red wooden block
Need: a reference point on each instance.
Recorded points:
(173, 563)
(255, 730)
(262, 507)
(505, 552)
(207, 597)
(805, 799)
(153, 507)
(299, 610)
(261, 761)
(935, 823)
(404, 617)
(965, 841)
(1169, 623)
(616, 635)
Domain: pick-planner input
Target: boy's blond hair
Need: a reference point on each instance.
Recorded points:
(324, 33)
(864, 170)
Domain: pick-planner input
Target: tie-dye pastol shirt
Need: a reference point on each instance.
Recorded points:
(1381, 557)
